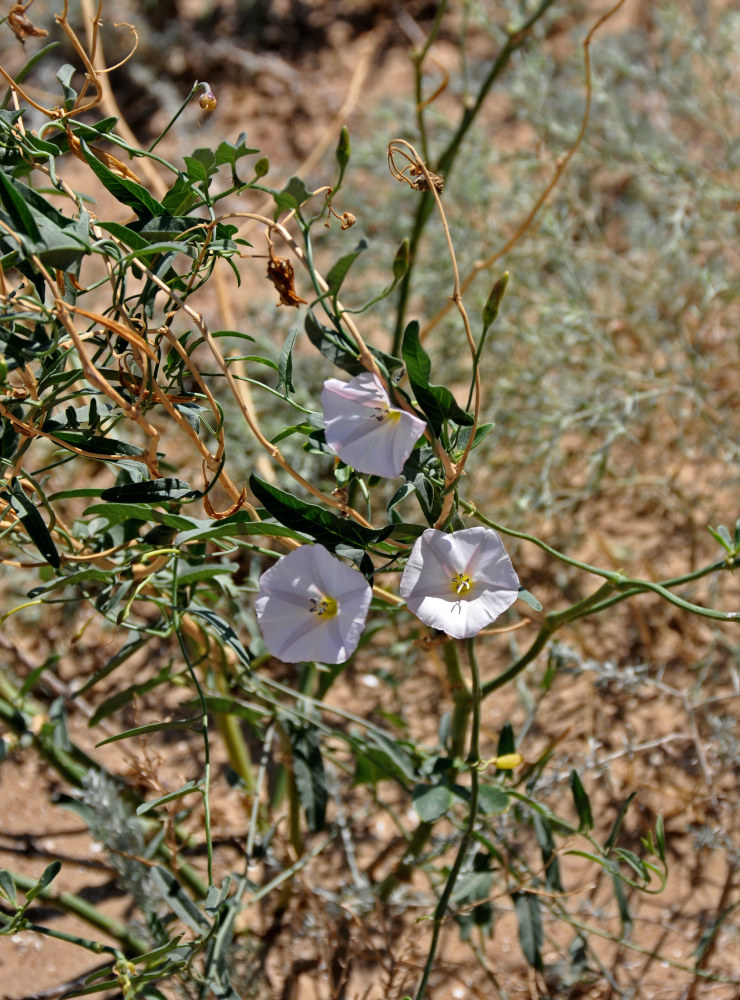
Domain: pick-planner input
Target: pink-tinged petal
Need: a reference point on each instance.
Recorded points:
(475, 554)
(364, 430)
(292, 628)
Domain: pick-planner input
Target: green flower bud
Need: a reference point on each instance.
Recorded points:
(401, 260)
(261, 167)
(490, 309)
(343, 148)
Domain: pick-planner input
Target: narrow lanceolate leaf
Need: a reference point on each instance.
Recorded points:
(187, 789)
(179, 901)
(50, 873)
(335, 346)
(436, 401)
(122, 188)
(33, 523)
(153, 727)
(338, 273)
(309, 774)
(7, 886)
(151, 491)
(326, 528)
(529, 918)
(581, 802)
(223, 630)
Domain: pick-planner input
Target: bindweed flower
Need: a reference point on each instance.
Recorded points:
(312, 606)
(459, 583)
(364, 429)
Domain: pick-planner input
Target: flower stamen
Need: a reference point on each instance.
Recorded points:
(461, 583)
(323, 607)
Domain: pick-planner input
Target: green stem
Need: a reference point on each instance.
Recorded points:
(92, 915)
(625, 584)
(515, 39)
(419, 58)
(552, 623)
(473, 759)
(461, 698)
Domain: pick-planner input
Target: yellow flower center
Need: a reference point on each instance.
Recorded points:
(323, 607)
(382, 413)
(461, 584)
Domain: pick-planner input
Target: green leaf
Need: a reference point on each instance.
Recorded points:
(187, 789)
(529, 918)
(99, 446)
(431, 802)
(117, 513)
(379, 757)
(49, 874)
(285, 363)
(334, 345)
(239, 525)
(634, 862)
(131, 647)
(722, 535)
(123, 189)
(530, 599)
(338, 273)
(471, 887)
(436, 401)
(612, 838)
(581, 802)
(506, 741)
(151, 491)
(492, 800)
(543, 833)
(7, 887)
(326, 528)
(201, 166)
(14, 204)
(308, 771)
(153, 727)
(64, 76)
(80, 578)
(216, 897)
(227, 152)
(293, 195)
(481, 433)
(622, 903)
(181, 197)
(121, 698)
(57, 240)
(33, 523)
(197, 574)
(176, 897)
(223, 630)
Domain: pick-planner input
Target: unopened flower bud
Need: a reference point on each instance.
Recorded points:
(208, 101)
(343, 150)
(490, 309)
(261, 167)
(401, 260)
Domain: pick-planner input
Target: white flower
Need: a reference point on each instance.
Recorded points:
(459, 583)
(312, 606)
(364, 429)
